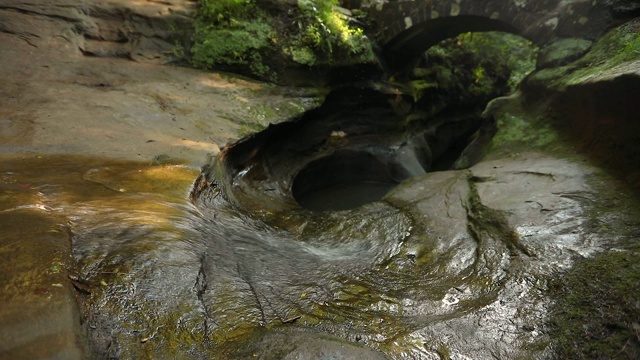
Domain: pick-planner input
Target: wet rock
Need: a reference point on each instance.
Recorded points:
(592, 94)
(62, 102)
(478, 238)
(356, 144)
(465, 272)
(39, 317)
(562, 52)
(309, 346)
(448, 264)
(581, 103)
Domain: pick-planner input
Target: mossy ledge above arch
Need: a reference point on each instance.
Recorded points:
(267, 39)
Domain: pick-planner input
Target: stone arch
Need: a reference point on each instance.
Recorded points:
(409, 44)
(398, 26)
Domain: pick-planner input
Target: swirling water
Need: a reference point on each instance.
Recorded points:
(445, 264)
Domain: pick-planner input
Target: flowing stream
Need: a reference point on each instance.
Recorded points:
(166, 274)
(323, 236)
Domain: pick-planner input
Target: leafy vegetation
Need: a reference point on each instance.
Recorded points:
(324, 32)
(231, 33)
(472, 69)
(239, 35)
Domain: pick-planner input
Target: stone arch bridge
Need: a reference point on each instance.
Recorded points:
(406, 28)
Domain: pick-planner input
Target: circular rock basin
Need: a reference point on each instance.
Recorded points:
(341, 181)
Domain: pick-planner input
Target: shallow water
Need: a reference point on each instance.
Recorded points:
(414, 276)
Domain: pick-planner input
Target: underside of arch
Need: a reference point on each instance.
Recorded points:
(405, 47)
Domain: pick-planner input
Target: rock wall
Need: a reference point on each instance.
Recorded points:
(153, 31)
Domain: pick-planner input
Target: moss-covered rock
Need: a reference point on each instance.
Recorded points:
(587, 110)
(597, 314)
(615, 53)
(269, 39)
(562, 52)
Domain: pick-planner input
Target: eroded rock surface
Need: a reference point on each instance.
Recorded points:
(146, 31)
(454, 263)
(62, 97)
(449, 264)
(451, 260)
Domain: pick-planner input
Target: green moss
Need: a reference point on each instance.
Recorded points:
(231, 46)
(563, 51)
(303, 55)
(620, 45)
(597, 313)
(443, 352)
(239, 35)
(596, 310)
(463, 162)
(518, 132)
(325, 36)
(231, 33)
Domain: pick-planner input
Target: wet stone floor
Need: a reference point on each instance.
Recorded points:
(449, 264)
